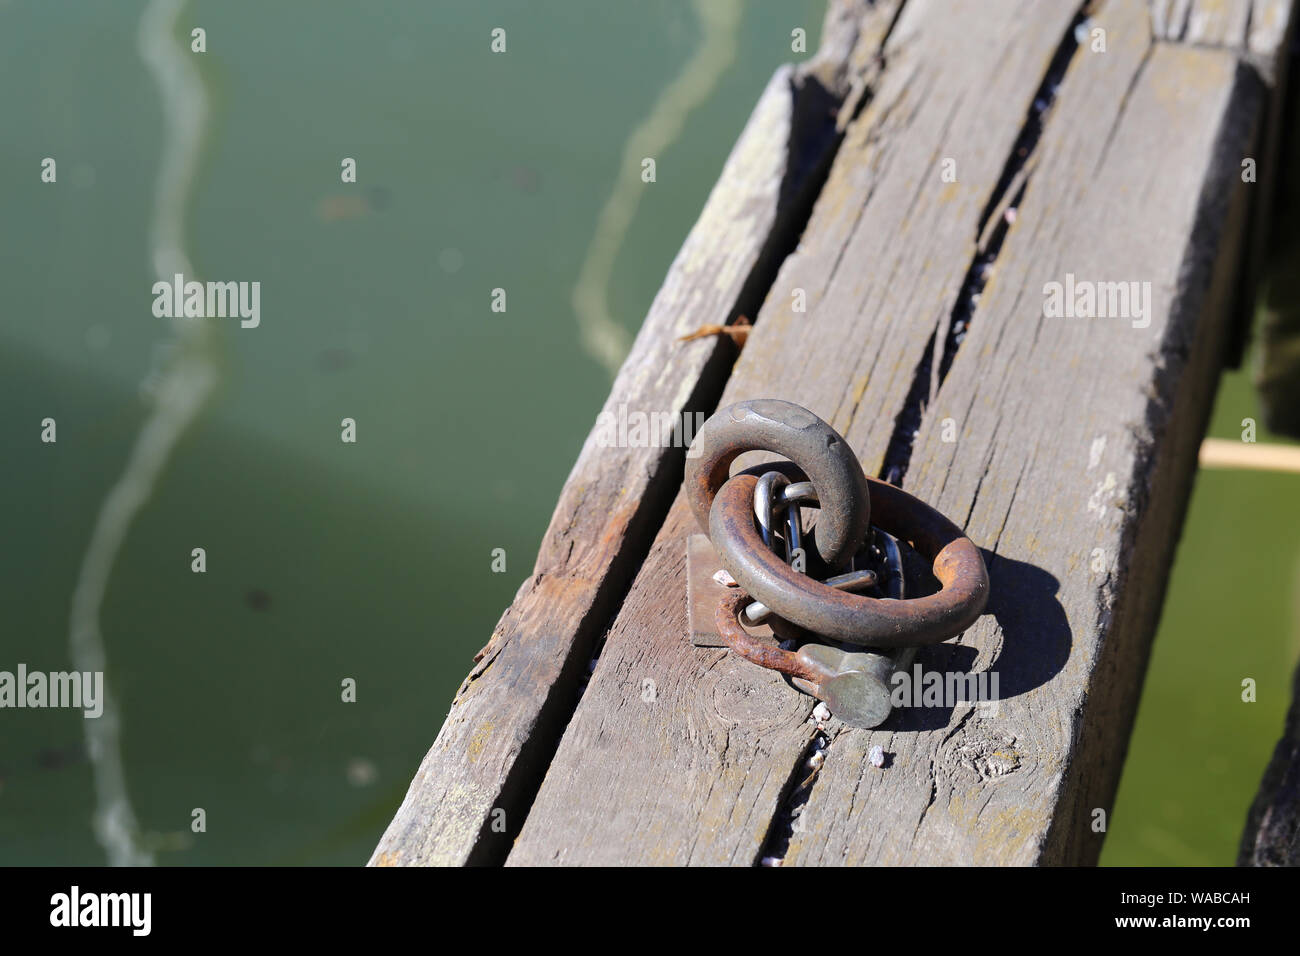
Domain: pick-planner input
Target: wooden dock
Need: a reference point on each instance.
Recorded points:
(917, 187)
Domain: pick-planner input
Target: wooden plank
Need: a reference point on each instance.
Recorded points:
(1272, 834)
(678, 755)
(1075, 450)
(473, 787)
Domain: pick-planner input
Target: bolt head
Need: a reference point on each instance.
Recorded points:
(858, 699)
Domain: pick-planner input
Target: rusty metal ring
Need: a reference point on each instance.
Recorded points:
(769, 424)
(855, 691)
(754, 650)
(874, 622)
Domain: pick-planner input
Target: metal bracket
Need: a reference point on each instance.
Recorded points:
(704, 592)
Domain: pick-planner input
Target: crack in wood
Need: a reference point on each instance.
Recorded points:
(950, 331)
(794, 798)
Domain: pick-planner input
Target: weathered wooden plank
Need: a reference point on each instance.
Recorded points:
(1075, 447)
(502, 726)
(695, 771)
(1272, 834)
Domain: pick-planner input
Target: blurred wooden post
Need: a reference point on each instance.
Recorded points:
(1272, 834)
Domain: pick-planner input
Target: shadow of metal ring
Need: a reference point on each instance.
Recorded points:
(786, 429)
(853, 618)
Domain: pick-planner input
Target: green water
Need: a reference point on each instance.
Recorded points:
(372, 561)
(325, 560)
(1232, 612)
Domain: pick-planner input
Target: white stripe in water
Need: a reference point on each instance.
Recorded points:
(600, 335)
(177, 398)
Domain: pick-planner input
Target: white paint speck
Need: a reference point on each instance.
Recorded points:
(1094, 453)
(1102, 495)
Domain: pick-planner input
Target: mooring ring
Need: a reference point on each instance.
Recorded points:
(874, 622)
(770, 424)
(855, 693)
(755, 650)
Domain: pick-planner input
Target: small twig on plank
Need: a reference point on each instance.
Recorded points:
(738, 330)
